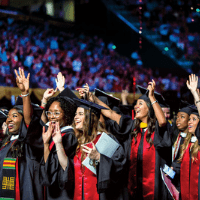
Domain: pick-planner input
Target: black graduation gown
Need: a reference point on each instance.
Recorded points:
(162, 143)
(28, 165)
(59, 183)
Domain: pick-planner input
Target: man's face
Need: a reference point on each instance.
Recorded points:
(166, 113)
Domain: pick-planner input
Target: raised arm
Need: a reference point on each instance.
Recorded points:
(60, 82)
(57, 138)
(111, 114)
(107, 113)
(46, 96)
(23, 85)
(157, 109)
(192, 84)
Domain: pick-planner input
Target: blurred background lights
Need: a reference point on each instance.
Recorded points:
(166, 49)
(114, 47)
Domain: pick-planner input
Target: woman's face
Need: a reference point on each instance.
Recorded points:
(182, 121)
(56, 114)
(192, 124)
(141, 110)
(13, 121)
(79, 118)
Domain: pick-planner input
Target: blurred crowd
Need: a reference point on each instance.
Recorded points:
(175, 21)
(44, 50)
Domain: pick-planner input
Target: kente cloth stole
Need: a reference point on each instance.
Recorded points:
(8, 179)
(9, 185)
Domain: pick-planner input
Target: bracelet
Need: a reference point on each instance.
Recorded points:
(197, 101)
(44, 103)
(154, 102)
(25, 95)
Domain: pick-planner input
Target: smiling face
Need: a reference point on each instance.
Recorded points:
(192, 124)
(13, 121)
(79, 118)
(182, 121)
(141, 110)
(56, 114)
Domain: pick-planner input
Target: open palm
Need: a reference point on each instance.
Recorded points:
(22, 81)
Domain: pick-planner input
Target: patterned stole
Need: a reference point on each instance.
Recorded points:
(9, 185)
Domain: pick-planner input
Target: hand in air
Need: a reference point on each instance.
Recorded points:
(22, 81)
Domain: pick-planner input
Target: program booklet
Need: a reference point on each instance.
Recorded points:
(106, 146)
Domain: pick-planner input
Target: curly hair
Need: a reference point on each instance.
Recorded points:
(67, 105)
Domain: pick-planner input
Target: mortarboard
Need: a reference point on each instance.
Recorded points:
(109, 100)
(145, 93)
(68, 93)
(36, 108)
(145, 97)
(185, 107)
(194, 110)
(92, 107)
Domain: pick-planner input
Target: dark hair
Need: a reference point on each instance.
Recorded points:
(67, 105)
(151, 121)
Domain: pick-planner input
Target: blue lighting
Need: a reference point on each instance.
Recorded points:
(114, 47)
(166, 49)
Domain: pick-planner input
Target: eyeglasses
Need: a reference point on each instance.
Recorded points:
(55, 114)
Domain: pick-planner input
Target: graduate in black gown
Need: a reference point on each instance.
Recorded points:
(187, 165)
(147, 143)
(107, 183)
(56, 172)
(20, 150)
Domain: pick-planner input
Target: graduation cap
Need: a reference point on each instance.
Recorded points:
(145, 97)
(68, 93)
(92, 107)
(185, 107)
(193, 110)
(109, 100)
(145, 94)
(36, 108)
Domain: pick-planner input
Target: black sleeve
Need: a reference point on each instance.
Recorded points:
(122, 130)
(52, 170)
(162, 136)
(110, 170)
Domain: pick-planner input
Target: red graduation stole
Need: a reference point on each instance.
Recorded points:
(189, 176)
(52, 143)
(148, 167)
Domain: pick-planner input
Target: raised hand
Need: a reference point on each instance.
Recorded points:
(92, 152)
(57, 137)
(22, 81)
(60, 82)
(151, 88)
(46, 136)
(192, 82)
(49, 93)
(83, 91)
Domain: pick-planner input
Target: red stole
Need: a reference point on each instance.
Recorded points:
(189, 176)
(52, 143)
(84, 176)
(148, 166)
